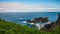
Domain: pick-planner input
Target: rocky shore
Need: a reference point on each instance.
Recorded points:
(41, 22)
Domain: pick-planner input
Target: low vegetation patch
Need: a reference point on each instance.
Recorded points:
(13, 28)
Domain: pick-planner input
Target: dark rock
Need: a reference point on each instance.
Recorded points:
(48, 27)
(40, 19)
(31, 21)
(58, 16)
(58, 20)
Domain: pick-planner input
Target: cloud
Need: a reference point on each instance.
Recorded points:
(20, 7)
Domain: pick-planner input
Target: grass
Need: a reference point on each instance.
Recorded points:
(13, 28)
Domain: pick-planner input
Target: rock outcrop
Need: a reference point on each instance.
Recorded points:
(57, 23)
(58, 20)
(47, 27)
(40, 19)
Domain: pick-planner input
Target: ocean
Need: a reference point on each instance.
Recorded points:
(22, 17)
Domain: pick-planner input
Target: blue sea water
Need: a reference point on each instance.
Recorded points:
(22, 17)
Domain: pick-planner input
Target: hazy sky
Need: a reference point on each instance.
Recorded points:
(29, 5)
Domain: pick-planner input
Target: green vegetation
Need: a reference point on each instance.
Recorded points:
(13, 28)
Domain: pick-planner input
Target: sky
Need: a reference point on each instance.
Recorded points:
(29, 5)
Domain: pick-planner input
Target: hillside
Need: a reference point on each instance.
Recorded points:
(13, 28)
